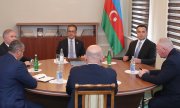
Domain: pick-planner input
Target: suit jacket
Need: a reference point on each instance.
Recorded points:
(169, 77)
(79, 47)
(147, 53)
(4, 49)
(14, 77)
(89, 74)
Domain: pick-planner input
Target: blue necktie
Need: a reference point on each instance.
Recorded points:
(137, 50)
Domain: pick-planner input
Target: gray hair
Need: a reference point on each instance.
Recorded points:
(94, 53)
(7, 31)
(165, 42)
(15, 46)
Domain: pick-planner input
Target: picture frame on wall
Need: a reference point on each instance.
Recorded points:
(40, 32)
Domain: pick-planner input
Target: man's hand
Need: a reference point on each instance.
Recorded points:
(143, 71)
(138, 61)
(28, 63)
(125, 58)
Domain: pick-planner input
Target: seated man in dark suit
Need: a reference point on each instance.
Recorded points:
(14, 77)
(143, 50)
(72, 47)
(8, 36)
(168, 76)
(92, 73)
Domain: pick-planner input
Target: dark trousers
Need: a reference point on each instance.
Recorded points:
(164, 101)
(30, 104)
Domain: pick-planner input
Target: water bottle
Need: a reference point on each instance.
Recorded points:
(132, 65)
(36, 66)
(61, 57)
(109, 57)
(59, 73)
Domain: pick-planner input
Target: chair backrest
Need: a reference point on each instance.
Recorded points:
(94, 89)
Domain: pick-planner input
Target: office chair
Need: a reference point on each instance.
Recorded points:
(99, 93)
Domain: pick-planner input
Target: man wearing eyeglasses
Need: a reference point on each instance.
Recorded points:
(72, 47)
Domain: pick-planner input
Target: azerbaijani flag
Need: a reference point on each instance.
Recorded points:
(112, 25)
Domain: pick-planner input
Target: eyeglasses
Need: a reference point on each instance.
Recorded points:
(71, 31)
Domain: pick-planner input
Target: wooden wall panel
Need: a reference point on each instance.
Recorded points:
(45, 47)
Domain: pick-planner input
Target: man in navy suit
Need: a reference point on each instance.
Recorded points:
(168, 76)
(92, 73)
(8, 36)
(72, 47)
(14, 77)
(142, 49)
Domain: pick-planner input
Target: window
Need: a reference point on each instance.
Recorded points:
(174, 22)
(140, 14)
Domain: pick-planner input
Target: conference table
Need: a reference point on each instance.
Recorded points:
(130, 91)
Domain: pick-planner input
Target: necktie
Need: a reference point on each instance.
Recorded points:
(137, 50)
(71, 55)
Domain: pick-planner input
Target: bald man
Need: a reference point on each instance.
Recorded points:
(9, 35)
(92, 73)
(168, 76)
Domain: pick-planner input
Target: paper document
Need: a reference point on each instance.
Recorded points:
(43, 77)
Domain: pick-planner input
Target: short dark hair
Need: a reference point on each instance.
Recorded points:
(142, 25)
(72, 25)
(15, 46)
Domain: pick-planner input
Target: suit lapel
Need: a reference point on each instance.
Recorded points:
(5, 46)
(76, 46)
(66, 46)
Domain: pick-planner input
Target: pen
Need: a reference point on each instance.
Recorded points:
(42, 77)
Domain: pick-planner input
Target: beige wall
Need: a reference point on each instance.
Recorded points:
(13, 11)
(158, 19)
(1, 39)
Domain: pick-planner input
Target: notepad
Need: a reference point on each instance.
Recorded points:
(43, 77)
